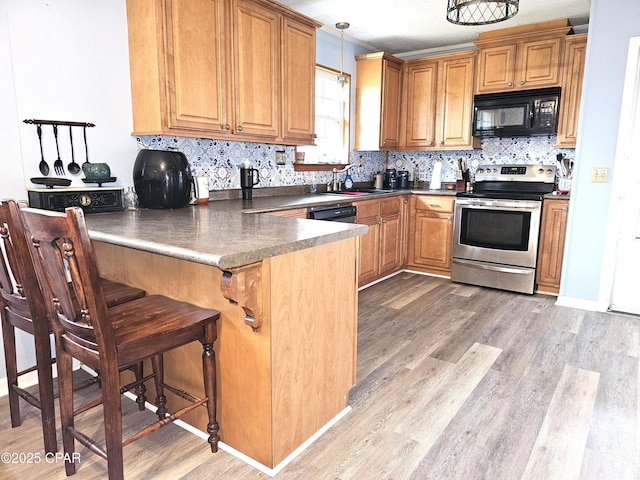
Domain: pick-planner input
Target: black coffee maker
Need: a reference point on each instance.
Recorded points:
(390, 179)
(248, 178)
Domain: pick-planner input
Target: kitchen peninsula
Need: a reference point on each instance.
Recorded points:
(286, 289)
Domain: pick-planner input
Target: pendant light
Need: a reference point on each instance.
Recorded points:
(480, 12)
(342, 78)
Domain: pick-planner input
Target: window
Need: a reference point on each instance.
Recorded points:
(331, 120)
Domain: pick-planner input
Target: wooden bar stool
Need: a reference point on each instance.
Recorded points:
(22, 307)
(111, 339)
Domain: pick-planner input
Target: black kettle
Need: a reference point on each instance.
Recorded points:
(390, 179)
(162, 179)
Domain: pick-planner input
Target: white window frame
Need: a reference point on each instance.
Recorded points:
(329, 149)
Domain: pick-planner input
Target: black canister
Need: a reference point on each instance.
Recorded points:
(403, 179)
(162, 179)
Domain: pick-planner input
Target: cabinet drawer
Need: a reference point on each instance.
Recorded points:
(391, 206)
(435, 203)
(368, 209)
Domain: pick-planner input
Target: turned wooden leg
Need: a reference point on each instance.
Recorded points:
(209, 374)
(140, 388)
(157, 363)
(112, 420)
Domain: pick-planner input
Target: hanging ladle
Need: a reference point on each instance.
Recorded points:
(73, 167)
(43, 166)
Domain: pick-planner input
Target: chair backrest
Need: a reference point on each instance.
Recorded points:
(20, 294)
(67, 270)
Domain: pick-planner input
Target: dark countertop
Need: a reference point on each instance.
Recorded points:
(230, 233)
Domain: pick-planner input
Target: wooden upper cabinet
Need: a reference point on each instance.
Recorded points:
(438, 102)
(256, 74)
(378, 98)
(197, 79)
(222, 69)
(523, 57)
(419, 102)
(572, 76)
(455, 102)
(298, 72)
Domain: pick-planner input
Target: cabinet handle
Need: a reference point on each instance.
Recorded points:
(449, 217)
(227, 127)
(429, 143)
(384, 221)
(239, 128)
(509, 84)
(521, 82)
(441, 142)
(564, 209)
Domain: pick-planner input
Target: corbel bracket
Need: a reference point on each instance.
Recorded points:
(242, 286)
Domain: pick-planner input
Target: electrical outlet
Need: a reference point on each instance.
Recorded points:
(600, 174)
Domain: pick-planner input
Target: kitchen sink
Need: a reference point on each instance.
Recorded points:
(357, 192)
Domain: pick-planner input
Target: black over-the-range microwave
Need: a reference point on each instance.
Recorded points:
(516, 114)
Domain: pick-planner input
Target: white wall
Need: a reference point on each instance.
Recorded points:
(612, 23)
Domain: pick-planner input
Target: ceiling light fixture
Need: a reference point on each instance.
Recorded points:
(342, 78)
(480, 12)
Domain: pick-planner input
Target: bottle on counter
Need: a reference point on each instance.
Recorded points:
(130, 199)
(348, 181)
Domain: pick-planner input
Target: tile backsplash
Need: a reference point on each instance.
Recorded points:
(221, 160)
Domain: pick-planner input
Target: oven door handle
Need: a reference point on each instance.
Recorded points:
(516, 204)
(493, 268)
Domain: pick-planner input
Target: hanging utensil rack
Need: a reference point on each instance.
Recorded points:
(32, 121)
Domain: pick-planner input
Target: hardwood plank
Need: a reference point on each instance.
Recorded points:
(559, 447)
(411, 371)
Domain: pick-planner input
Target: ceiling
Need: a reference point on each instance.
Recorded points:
(408, 26)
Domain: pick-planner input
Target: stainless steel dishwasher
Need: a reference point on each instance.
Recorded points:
(333, 213)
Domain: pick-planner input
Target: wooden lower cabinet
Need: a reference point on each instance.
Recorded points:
(293, 212)
(381, 247)
(430, 233)
(551, 247)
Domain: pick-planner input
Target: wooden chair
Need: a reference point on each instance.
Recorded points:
(22, 307)
(111, 339)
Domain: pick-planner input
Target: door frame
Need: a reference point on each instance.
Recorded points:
(623, 165)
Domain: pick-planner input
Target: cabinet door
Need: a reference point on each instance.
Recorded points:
(539, 63)
(455, 97)
(496, 68)
(390, 235)
(391, 100)
(298, 82)
(551, 249)
(431, 246)
(196, 65)
(574, 61)
(420, 101)
(256, 72)
(369, 250)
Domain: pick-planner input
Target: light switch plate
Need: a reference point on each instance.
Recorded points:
(600, 174)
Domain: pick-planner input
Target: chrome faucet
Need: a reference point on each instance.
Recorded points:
(336, 187)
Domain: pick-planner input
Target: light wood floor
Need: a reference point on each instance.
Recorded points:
(454, 382)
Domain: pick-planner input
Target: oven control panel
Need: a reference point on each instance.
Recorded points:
(516, 173)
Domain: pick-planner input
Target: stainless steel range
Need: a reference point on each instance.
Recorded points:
(497, 226)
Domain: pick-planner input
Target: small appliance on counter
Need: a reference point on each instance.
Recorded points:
(390, 179)
(91, 200)
(162, 179)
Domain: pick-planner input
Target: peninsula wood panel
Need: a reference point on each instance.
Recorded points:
(276, 387)
(314, 340)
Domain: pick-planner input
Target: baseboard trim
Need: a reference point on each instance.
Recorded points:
(590, 305)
